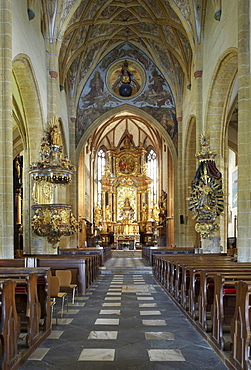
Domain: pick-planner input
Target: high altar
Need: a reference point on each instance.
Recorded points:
(125, 210)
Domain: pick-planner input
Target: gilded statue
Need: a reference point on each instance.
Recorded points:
(108, 215)
(97, 214)
(155, 213)
(127, 212)
(144, 212)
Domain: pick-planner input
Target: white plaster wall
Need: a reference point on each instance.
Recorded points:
(28, 39)
(218, 37)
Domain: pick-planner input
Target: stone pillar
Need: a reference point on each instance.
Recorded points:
(53, 84)
(6, 147)
(244, 134)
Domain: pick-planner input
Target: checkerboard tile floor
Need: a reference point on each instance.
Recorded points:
(125, 322)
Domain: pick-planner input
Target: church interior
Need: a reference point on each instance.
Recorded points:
(125, 159)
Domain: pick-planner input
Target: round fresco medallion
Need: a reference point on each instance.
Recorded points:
(126, 164)
(123, 76)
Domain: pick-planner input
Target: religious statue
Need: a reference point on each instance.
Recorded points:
(126, 84)
(108, 215)
(97, 215)
(127, 212)
(163, 203)
(144, 212)
(155, 213)
(55, 135)
(206, 196)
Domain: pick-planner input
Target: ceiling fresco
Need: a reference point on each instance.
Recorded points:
(88, 34)
(155, 97)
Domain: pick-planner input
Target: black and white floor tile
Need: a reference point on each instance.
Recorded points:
(124, 322)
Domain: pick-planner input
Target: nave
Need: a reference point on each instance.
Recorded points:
(125, 321)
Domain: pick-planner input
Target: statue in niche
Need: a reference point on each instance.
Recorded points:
(108, 215)
(97, 215)
(127, 212)
(126, 84)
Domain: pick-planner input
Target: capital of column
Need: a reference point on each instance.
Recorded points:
(198, 73)
(53, 74)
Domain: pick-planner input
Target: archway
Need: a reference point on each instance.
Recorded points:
(27, 126)
(219, 105)
(108, 131)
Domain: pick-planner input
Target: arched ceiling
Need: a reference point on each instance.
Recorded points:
(111, 132)
(87, 30)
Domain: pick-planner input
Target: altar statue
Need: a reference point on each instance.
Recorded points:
(108, 215)
(155, 213)
(97, 215)
(144, 212)
(127, 212)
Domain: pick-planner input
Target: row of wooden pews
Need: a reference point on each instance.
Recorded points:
(25, 304)
(215, 294)
(25, 313)
(149, 252)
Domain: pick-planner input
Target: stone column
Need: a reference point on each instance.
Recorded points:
(6, 147)
(244, 134)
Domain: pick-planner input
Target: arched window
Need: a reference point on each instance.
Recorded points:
(101, 167)
(152, 173)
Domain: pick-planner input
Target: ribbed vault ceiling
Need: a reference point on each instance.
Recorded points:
(96, 27)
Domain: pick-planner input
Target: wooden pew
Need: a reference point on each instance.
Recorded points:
(209, 287)
(104, 253)
(240, 326)
(85, 270)
(32, 299)
(33, 321)
(9, 326)
(148, 253)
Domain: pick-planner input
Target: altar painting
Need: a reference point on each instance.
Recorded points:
(126, 203)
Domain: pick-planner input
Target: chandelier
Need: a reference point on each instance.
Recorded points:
(53, 169)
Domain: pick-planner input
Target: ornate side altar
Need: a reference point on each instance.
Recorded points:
(125, 209)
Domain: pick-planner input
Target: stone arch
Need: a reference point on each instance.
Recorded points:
(137, 111)
(30, 101)
(218, 101)
(145, 116)
(30, 126)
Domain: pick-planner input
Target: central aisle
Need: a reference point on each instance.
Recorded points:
(125, 321)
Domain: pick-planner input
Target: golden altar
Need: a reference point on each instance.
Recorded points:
(126, 209)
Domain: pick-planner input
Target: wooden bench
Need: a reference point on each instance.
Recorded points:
(9, 326)
(32, 303)
(208, 285)
(104, 253)
(149, 252)
(85, 270)
(240, 326)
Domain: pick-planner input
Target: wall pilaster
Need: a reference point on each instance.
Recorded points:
(244, 134)
(6, 147)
